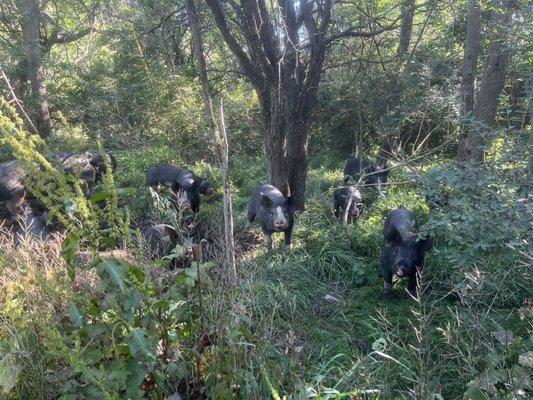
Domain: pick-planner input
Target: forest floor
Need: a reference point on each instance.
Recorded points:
(312, 321)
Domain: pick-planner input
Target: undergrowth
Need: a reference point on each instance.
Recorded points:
(101, 320)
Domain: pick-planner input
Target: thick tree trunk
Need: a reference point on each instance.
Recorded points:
(470, 60)
(406, 29)
(276, 127)
(286, 149)
(496, 66)
(297, 161)
(483, 108)
(31, 21)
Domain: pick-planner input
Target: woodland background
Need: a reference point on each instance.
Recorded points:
(442, 89)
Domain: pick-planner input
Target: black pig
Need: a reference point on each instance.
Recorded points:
(205, 187)
(347, 198)
(160, 239)
(403, 254)
(273, 211)
(378, 174)
(33, 225)
(12, 188)
(182, 181)
(354, 167)
(88, 166)
(375, 174)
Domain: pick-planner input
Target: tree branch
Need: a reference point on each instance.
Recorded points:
(65, 37)
(253, 74)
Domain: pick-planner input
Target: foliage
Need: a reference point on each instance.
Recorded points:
(90, 315)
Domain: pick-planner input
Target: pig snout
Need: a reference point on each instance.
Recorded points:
(279, 219)
(280, 224)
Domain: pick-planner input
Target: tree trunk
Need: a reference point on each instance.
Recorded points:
(276, 127)
(30, 24)
(297, 160)
(491, 85)
(470, 60)
(496, 66)
(407, 26)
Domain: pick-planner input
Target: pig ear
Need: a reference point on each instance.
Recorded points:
(290, 201)
(176, 187)
(394, 236)
(265, 201)
(196, 183)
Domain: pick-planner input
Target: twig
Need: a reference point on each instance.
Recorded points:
(16, 100)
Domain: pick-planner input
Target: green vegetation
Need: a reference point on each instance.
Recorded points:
(88, 314)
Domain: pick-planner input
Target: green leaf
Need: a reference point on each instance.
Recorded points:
(137, 373)
(116, 273)
(100, 196)
(9, 372)
(71, 207)
(75, 314)
(379, 345)
(139, 346)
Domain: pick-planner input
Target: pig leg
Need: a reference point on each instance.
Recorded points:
(15, 206)
(411, 284)
(288, 236)
(250, 217)
(387, 282)
(268, 238)
(336, 207)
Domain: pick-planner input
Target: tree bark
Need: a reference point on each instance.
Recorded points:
(30, 24)
(496, 65)
(220, 141)
(491, 84)
(285, 73)
(470, 60)
(408, 12)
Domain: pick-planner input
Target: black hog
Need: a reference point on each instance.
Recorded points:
(378, 175)
(33, 225)
(403, 253)
(347, 203)
(88, 166)
(205, 187)
(160, 239)
(12, 188)
(183, 182)
(354, 167)
(375, 174)
(273, 211)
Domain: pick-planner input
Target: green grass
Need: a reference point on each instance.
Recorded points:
(308, 321)
(307, 343)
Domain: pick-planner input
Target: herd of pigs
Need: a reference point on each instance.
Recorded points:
(403, 251)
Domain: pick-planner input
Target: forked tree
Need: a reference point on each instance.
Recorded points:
(281, 47)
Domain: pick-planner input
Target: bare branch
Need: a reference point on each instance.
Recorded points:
(253, 74)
